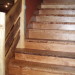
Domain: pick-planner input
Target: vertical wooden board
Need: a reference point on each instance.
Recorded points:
(2, 43)
(21, 43)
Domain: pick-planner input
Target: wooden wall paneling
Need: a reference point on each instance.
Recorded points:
(12, 33)
(2, 43)
(12, 15)
(9, 40)
(12, 50)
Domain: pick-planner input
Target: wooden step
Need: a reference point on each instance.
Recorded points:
(59, 19)
(17, 67)
(59, 1)
(58, 6)
(46, 47)
(47, 25)
(51, 34)
(48, 61)
(58, 12)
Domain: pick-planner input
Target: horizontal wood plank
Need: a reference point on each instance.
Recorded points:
(21, 67)
(45, 25)
(54, 48)
(57, 12)
(41, 18)
(46, 60)
(51, 34)
(58, 6)
(59, 1)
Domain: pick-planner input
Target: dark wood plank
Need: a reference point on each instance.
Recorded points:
(11, 51)
(10, 38)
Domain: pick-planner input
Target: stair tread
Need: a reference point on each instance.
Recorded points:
(48, 25)
(50, 11)
(29, 68)
(65, 35)
(47, 47)
(67, 62)
(58, 6)
(59, 1)
(56, 19)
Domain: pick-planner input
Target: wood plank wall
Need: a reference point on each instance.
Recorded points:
(12, 31)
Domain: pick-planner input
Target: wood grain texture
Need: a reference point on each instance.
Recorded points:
(57, 6)
(11, 36)
(21, 67)
(51, 34)
(12, 15)
(46, 60)
(46, 25)
(57, 12)
(11, 51)
(55, 19)
(59, 1)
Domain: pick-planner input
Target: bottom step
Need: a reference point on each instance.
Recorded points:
(67, 64)
(17, 67)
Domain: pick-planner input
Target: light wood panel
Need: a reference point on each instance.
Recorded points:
(22, 26)
(21, 67)
(46, 25)
(2, 43)
(41, 18)
(51, 34)
(57, 6)
(57, 12)
(59, 1)
(46, 60)
(55, 48)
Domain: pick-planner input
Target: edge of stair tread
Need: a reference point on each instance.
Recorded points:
(18, 63)
(51, 41)
(73, 4)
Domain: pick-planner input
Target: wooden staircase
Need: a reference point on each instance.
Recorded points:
(50, 41)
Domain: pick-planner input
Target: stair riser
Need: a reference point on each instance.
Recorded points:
(62, 50)
(59, 1)
(52, 62)
(13, 70)
(51, 34)
(57, 12)
(58, 6)
(55, 19)
(36, 25)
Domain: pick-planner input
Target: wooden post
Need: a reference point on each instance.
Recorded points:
(21, 43)
(2, 43)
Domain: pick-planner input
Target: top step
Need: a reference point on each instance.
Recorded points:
(59, 1)
(57, 6)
